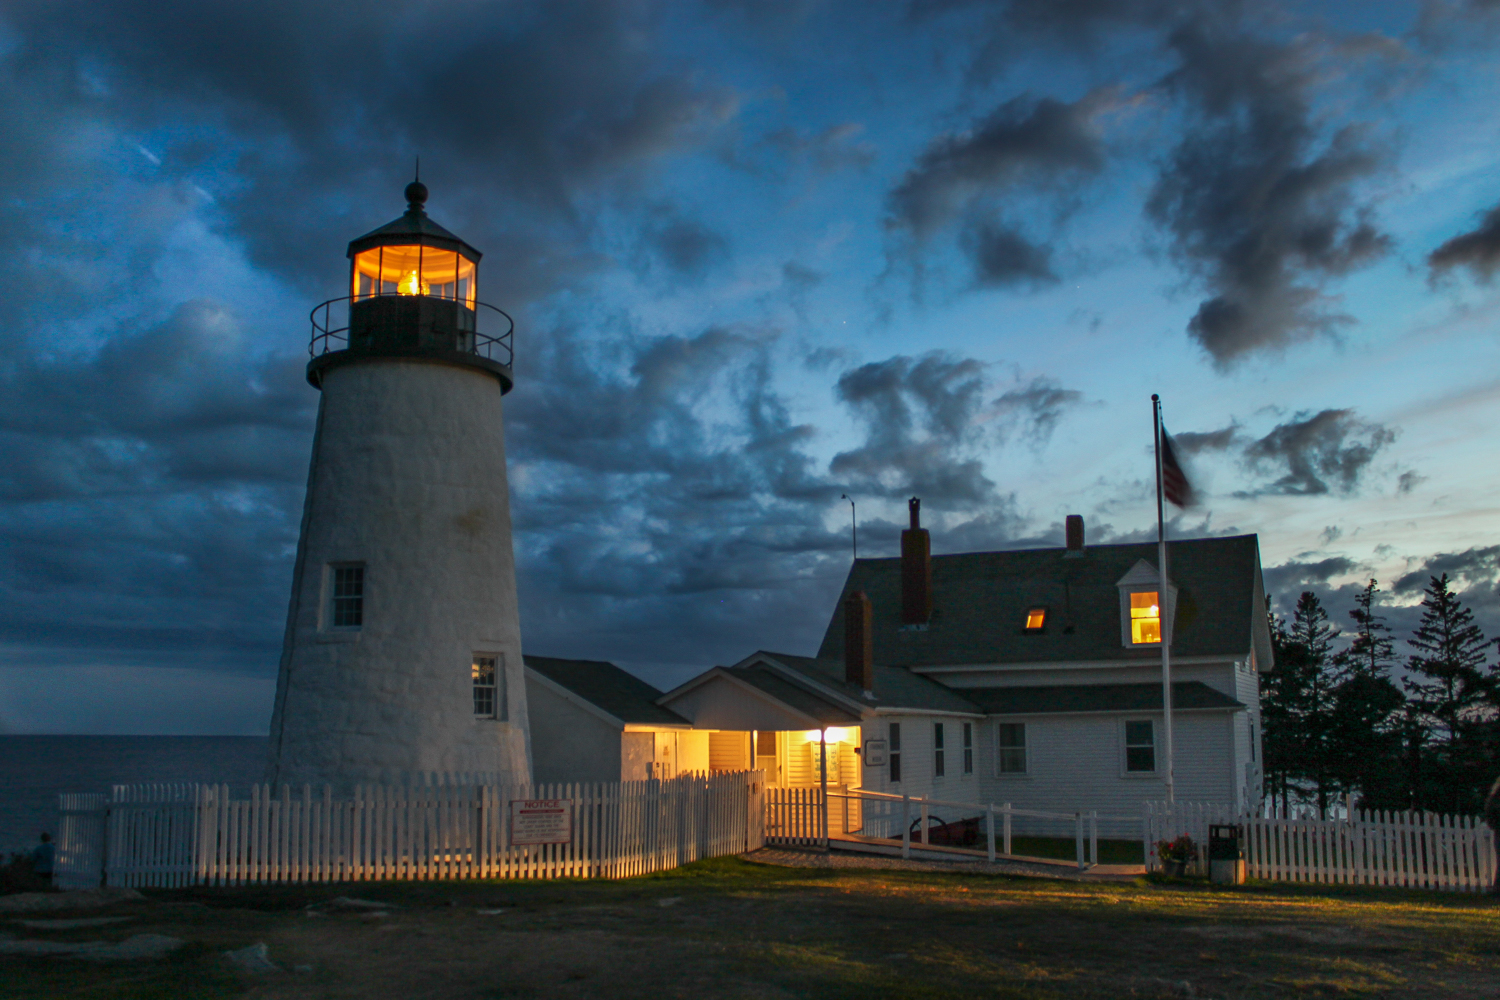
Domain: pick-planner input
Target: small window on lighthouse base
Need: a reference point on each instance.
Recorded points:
(489, 686)
(346, 596)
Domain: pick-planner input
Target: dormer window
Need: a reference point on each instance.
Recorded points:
(1145, 611)
(1145, 618)
(1035, 619)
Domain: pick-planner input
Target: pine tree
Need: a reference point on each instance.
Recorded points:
(1281, 698)
(1447, 680)
(1363, 739)
(1297, 706)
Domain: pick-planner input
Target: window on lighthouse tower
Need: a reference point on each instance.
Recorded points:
(346, 596)
(489, 687)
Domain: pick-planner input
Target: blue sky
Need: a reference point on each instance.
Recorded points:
(760, 255)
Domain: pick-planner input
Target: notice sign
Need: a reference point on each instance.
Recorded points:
(875, 755)
(541, 821)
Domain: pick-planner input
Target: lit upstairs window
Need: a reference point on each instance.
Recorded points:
(1035, 619)
(1145, 617)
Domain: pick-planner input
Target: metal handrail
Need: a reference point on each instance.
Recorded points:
(326, 338)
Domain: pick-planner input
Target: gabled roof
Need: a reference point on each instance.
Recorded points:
(980, 600)
(895, 688)
(810, 703)
(621, 695)
(1067, 698)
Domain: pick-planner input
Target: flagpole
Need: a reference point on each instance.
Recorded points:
(1162, 603)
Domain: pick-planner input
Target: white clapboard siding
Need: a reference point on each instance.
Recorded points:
(1414, 850)
(173, 835)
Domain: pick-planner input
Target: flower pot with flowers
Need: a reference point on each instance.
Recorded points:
(1177, 854)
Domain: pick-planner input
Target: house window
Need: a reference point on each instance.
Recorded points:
(1035, 619)
(1012, 742)
(489, 687)
(968, 748)
(1145, 618)
(937, 749)
(895, 751)
(1140, 747)
(346, 596)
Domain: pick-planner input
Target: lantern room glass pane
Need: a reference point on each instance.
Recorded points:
(413, 270)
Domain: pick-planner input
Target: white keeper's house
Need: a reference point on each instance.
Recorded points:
(1030, 676)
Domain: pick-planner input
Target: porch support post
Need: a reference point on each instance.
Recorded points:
(823, 774)
(989, 830)
(906, 826)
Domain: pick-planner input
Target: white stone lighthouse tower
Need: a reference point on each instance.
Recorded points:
(403, 646)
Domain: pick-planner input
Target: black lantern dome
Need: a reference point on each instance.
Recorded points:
(413, 292)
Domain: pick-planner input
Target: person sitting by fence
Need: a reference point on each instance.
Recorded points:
(42, 857)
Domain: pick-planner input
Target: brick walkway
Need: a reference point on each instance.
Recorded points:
(788, 857)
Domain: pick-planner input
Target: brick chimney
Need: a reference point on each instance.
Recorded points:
(1075, 537)
(916, 569)
(859, 647)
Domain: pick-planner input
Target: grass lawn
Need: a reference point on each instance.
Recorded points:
(730, 928)
(1111, 852)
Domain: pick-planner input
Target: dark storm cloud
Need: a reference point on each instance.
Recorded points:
(321, 108)
(1197, 442)
(1320, 452)
(685, 245)
(920, 417)
(1291, 578)
(1475, 571)
(1003, 258)
(1038, 406)
(1257, 205)
(1478, 250)
(149, 495)
(1026, 140)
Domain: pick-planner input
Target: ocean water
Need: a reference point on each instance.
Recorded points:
(35, 769)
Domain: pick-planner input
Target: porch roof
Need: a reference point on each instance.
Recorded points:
(895, 687)
(620, 694)
(1072, 698)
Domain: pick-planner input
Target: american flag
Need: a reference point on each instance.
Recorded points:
(1174, 481)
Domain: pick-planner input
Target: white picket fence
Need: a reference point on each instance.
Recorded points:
(794, 817)
(1416, 850)
(175, 835)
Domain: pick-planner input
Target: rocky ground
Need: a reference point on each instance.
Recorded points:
(732, 928)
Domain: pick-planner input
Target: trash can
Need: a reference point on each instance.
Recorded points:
(1226, 860)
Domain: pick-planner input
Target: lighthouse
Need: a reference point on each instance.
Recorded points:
(402, 654)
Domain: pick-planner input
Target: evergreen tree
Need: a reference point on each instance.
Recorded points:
(1363, 729)
(1447, 678)
(1297, 706)
(1281, 698)
(1450, 690)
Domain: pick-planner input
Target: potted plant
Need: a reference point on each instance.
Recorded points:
(1175, 855)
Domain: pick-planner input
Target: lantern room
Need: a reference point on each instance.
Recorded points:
(413, 292)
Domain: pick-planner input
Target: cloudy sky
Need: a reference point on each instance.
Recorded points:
(761, 254)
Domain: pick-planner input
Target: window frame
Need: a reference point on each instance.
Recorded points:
(499, 689)
(1166, 603)
(331, 596)
(939, 751)
(968, 747)
(893, 755)
(1126, 746)
(1000, 748)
